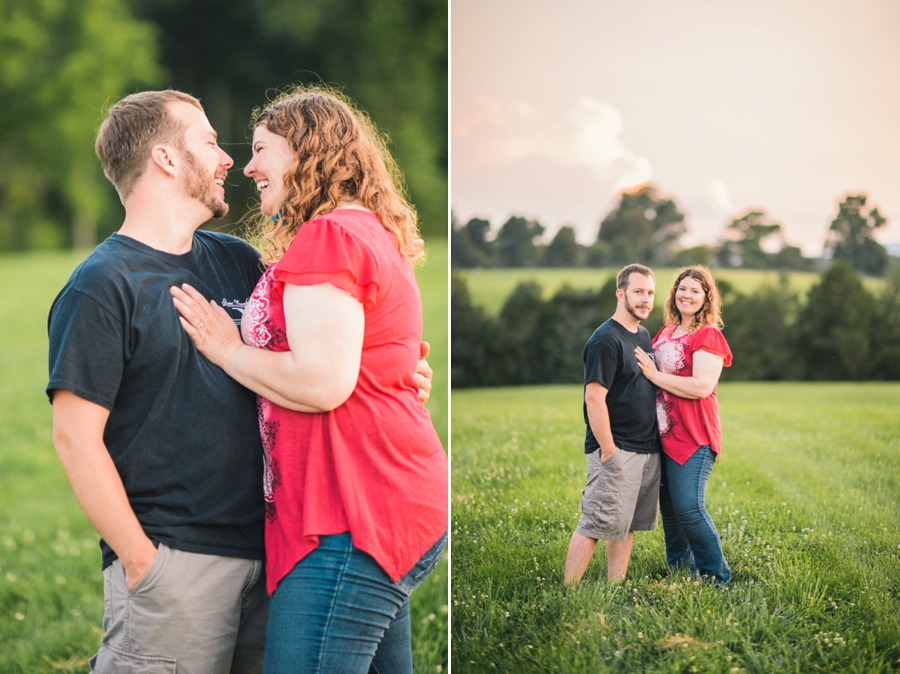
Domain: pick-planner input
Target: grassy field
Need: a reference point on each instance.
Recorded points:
(491, 287)
(51, 591)
(806, 499)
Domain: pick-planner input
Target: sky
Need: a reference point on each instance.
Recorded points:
(784, 106)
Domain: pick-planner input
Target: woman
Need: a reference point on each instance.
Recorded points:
(690, 352)
(356, 478)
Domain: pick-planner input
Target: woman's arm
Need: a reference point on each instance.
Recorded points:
(325, 327)
(706, 371)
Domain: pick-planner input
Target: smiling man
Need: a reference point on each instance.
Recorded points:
(622, 438)
(160, 446)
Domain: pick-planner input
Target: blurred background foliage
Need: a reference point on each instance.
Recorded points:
(62, 62)
(646, 226)
(839, 331)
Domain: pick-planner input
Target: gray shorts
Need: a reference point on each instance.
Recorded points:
(621, 495)
(190, 613)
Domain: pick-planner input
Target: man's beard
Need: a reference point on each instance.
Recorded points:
(200, 186)
(630, 308)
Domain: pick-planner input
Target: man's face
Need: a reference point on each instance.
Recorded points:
(638, 295)
(206, 164)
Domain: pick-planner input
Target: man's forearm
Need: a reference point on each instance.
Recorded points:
(101, 495)
(598, 418)
(601, 429)
(77, 434)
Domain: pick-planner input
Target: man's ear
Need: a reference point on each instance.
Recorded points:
(164, 158)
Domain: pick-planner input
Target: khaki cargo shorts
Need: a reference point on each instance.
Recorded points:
(621, 495)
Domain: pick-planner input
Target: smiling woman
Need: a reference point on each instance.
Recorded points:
(690, 352)
(355, 476)
(272, 156)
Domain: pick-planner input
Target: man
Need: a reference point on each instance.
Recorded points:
(161, 447)
(622, 441)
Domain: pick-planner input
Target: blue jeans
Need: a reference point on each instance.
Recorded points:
(692, 541)
(338, 611)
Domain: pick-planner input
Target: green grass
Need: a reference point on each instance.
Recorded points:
(491, 287)
(51, 589)
(806, 499)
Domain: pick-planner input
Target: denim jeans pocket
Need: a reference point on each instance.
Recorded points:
(424, 566)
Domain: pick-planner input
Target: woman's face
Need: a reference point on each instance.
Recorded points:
(272, 159)
(689, 297)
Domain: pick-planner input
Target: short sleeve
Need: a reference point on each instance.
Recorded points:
(323, 251)
(711, 340)
(601, 362)
(87, 349)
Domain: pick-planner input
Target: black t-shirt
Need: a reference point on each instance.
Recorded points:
(631, 399)
(183, 435)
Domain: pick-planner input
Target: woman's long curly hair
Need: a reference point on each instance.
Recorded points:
(710, 313)
(339, 156)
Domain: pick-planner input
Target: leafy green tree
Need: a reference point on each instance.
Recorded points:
(886, 330)
(694, 255)
(472, 332)
(851, 236)
(744, 245)
(519, 321)
(834, 327)
(564, 250)
(645, 227)
(532, 340)
(599, 254)
(791, 257)
(567, 320)
(469, 243)
(760, 331)
(390, 56)
(60, 62)
(748, 233)
(515, 245)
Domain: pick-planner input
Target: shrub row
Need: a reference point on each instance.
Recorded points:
(839, 332)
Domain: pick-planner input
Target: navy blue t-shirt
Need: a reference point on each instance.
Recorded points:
(631, 399)
(184, 436)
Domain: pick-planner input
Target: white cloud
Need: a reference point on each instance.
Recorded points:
(719, 193)
(511, 158)
(493, 132)
(641, 172)
(597, 142)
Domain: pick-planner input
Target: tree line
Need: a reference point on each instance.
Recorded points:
(646, 226)
(62, 62)
(840, 331)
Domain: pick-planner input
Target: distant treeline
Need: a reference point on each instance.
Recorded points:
(646, 227)
(62, 62)
(840, 331)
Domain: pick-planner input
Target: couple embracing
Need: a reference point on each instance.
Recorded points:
(653, 430)
(193, 451)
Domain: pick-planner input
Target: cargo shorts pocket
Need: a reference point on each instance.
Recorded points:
(592, 506)
(598, 517)
(110, 660)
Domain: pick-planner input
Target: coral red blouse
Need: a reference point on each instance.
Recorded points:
(374, 466)
(686, 425)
